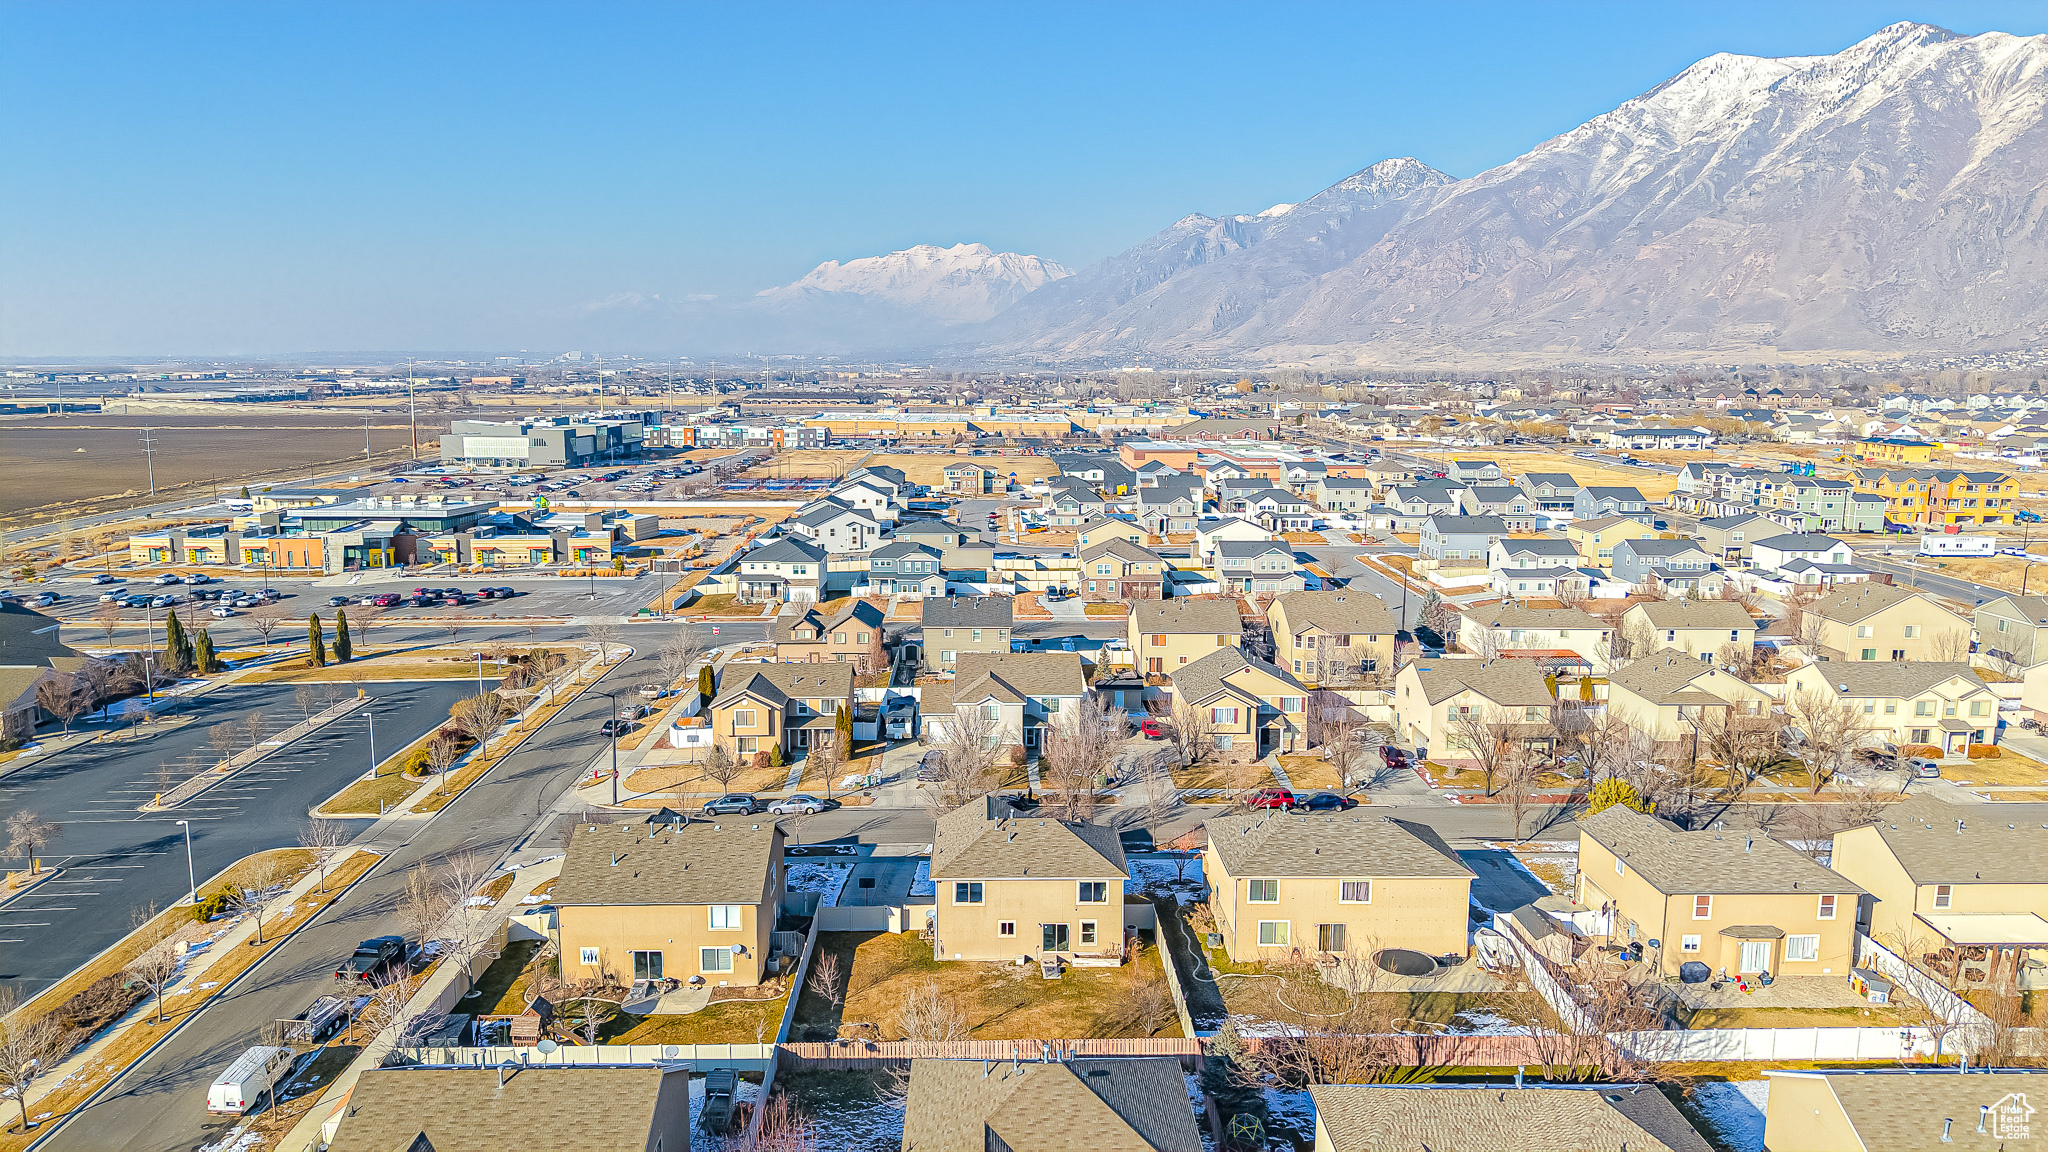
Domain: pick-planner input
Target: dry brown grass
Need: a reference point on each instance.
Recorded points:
(918, 468)
(1117, 610)
(691, 781)
(2010, 769)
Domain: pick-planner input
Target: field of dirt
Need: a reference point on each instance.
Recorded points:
(73, 465)
(918, 467)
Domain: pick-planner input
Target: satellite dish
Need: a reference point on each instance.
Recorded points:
(547, 1047)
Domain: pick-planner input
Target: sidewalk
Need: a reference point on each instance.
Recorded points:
(47, 747)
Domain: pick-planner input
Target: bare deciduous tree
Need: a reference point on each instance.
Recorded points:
(108, 618)
(465, 923)
(422, 906)
(478, 716)
(1829, 734)
(155, 967)
(441, 756)
(969, 755)
(307, 698)
(28, 834)
(58, 695)
(1949, 646)
(256, 724)
(679, 654)
(1487, 736)
(607, 637)
(268, 619)
(250, 889)
(722, 766)
(325, 839)
(1742, 745)
(1076, 758)
(29, 1046)
(1193, 732)
(824, 980)
(924, 1013)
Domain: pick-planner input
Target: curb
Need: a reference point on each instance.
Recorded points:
(31, 886)
(224, 777)
(59, 1123)
(20, 762)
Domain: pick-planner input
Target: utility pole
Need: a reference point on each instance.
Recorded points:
(366, 436)
(148, 443)
(412, 408)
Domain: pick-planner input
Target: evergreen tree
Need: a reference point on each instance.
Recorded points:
(316, 641)
(177, 649)
(343, 650)
(843, 724)
(1611, 791)
(245, 491)
(203, 658)
(706, 683)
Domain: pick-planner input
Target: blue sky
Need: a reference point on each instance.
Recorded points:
(195, 177)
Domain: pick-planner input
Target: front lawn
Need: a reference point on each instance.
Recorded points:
(996, 1001)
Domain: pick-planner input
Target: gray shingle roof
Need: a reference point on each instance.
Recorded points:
(1203, 679)
(896, 549)
(1605, 522)
(719, 861)
(1468, 525)
(1858, 678)
(784, 550)
(986, 839)
(967, 611)
(780, 682)
(1490, 1118)
(1354, 844)
(1801, 542)
(1077, 1106)
(1660, 676)
(1508, 683)
(1167, 617)
(1542, 547)
(1708, 863)
(1247, 549)
(1695, 614)
(1848, 605)
(1939, 843)
(1516, 616)
(1118, 547)
(1661, 548)
(2034, 608)
(1011, 676)
(1899, 1110)
(1343, 612)
(467, 1110)
(1614, 492)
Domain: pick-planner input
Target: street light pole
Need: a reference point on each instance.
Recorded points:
(479, 673)
(191, 877)
(614, 723)
(372, 718)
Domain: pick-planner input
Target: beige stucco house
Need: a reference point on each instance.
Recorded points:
(1904, 1110)
(1254, 708)
(647, 901)
(1334, 882)
(1944, 705)
(1554, 632)
(1698, 628)
(1737, 901)
(760, 706)
(1663, 695)
(1886, 623)
(1350, 628)
(1429, 696)
(1009, 886)
(1168, 635)
(1595, 539)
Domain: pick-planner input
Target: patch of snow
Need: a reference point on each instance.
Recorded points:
(1479, 1022)
(479, 902)
(921, 884)
(536, 899)
(1290, 1113)
(825, 877)
(866, 1126)
(1735, 1110)
(1157, 877)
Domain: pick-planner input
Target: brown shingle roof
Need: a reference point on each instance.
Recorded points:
(1708, 863)
(587, 1109)
(1077, 1106)
(1011, 676)
(724, 860)
(1896, 1110)
(1695, 614)
(986, 840)
(1330, 844)
(1485, 1118)
(1861, 601)
(1341, 612)
(782, 682)
(1508, 683)
(1939, 843)
(1165, 617)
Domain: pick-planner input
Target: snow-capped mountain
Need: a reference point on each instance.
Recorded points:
(1891, 197)
(963, 284)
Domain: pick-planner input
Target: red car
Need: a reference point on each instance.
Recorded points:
(1270, 798)
(1152, 730)
(388, 599)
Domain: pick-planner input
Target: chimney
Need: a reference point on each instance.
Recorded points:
(1518, 1075)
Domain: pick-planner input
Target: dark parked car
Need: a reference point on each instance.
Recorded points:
(1394, 757)
(376, 959)
(1270, 798)
(733, 803)
(615, 727)
(332, 601)
(1328, 802)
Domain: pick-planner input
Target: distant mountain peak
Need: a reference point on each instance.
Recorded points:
(959, 285)
(1396, 176)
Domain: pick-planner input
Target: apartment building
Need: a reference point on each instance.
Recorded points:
(1911, 702)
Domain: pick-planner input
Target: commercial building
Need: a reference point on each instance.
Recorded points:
(546, 442)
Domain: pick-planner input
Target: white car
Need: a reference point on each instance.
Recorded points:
(223, 611)
(169, 578)
(798, 804)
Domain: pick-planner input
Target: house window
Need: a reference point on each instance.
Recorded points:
(743, 718)
(1688, 943)
(1620, 869)
(1827, 908)
(749, 745)
(1702, 907)
(1273, 934)
(991, 712)
(1006, 927)
(1354, 892)
(860, 638)
(1268, 891)
(1870, 653)
(1293, 704)
(714, 959)
(967, 892)
(726, 916)
(1158, 639)
(1863, 631)
(1093, 892)
(1329, 937)
(1087, 931)
(1802, 947)
(1223, 715)
(1225, 742)
(1923, 707)
(1943, 893)
(589, 956)
(946, 655)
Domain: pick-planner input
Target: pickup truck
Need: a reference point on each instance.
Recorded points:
(375, 959)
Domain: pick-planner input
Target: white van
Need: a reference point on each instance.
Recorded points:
(253, 1074)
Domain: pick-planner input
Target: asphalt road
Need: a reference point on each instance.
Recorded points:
(118, 861)
(161, 1104)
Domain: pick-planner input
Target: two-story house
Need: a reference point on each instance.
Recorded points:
(1345, 493)
(764, 706)
(1941, 877)
(965, 479)
(835, 527)
(1010, 885)
(787, 568)
(1449, 540)
(1737, 901)
(1021, 695)
(1595, 538)
(971, 1106)
(1169, 634)
(1277, 510)
(1253, 708)
(1210, 532)
(670, 901)
(1336, 637)
(1773, 553)
(1117, 570)
(1432, 696)
(1102, 531)
(1103, 472)
(1555, 493)
(959, 548)
(1513, 506)
(1069, 503)
(1732, 539)
(1914, 702)
(2006, 629)
(1476, 472)
(1665, 695)
(1599, 500)
(1537, 566)
(1886, 622)
(1672, 565)
(1334, 883)
(1554, 633)
(1407, 1117)
(1699, 628)
(906, 568)
(955, 625)
(851, 635)
(1418, 502)
(1899, 1110)
(1171, 505)
(873, 495)
(1256, 566)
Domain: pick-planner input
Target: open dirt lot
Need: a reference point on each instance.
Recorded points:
(918, 467)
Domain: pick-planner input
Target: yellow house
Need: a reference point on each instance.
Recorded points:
(1889, 450)
(1941, 496)
(1552, 632)
(1334, 882)
(1431, 696)
(1903, 1110)
(1888, 623)
(762, 706)
(1007, 886)
(1595, 539)
(1342, 636)
(1254, 708)
(1700, 628)
(1945, 705)
(675, 901)
(1167, 635)
(1738, 902)
(1662, 695)
(1933, 869)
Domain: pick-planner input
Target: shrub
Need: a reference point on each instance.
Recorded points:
(104, 1001)
(760, 759)
(212, 905)
(775, 756)
(1984, 752)
(1018, 755)
(1920, 750)
(1611, 791)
